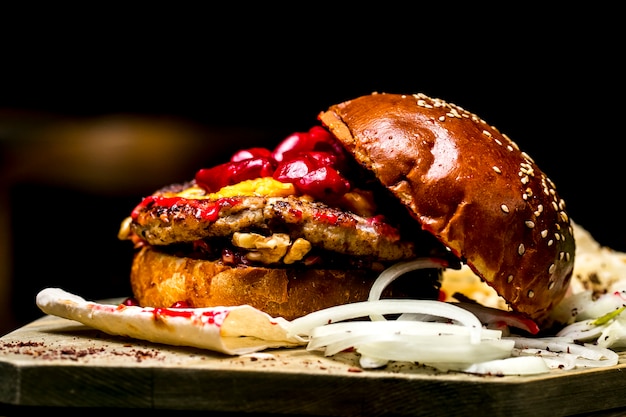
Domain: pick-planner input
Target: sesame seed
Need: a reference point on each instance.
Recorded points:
(531, 293)
(530, 224)
(557, 236)
(504, 208)
(442, 118)
(509, 279)
(527, 157)
(550, 242)
(521, 249)
(551, 285)
(528, 167)
(498, 170)
(551, 269)
(544, 233)
(487, 133)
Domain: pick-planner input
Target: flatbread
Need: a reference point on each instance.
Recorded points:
(231, 330)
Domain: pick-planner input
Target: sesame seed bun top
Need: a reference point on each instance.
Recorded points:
(471, 187)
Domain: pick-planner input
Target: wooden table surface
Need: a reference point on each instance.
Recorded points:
(54, 362)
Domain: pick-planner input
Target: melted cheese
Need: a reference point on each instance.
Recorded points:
(266, 186)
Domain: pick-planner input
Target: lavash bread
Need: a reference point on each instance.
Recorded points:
(471, 187)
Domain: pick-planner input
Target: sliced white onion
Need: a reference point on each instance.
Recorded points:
(420, 317)
(334, 338)
(605, 304)
(554, 360)
(450, 337)
(567, 310)
(393, 272)
(587, 355)
(441, 350)
(372, 363)
(415, 328)
(581, 330)
(303, 326)
(521, 365)
(410, 342)
(611, 359)
(582, 306)
(613, 335)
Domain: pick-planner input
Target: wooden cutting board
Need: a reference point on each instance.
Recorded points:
(54, 362)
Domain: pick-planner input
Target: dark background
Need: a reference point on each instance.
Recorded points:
(186, 89)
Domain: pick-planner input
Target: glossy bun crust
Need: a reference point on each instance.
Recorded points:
(471, 187)
(159, 279)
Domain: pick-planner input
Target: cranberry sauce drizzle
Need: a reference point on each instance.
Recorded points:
(205, 209)
(178, 309)
(213, 317)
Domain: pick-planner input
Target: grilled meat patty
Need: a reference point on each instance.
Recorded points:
(164, 221)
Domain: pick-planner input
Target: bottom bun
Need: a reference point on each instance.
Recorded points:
(159, 279)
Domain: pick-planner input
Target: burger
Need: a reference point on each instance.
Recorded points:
(381, 180)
